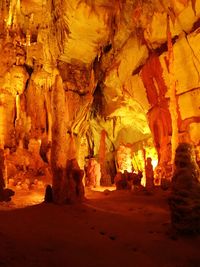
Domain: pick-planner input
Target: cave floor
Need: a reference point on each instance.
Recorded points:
(111, 228)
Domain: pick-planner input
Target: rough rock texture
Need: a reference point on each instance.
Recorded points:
(184, 201)
(93, 173)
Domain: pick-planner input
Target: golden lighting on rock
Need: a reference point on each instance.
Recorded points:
(154, 163)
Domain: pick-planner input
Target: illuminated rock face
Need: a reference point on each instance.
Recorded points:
(116, 74)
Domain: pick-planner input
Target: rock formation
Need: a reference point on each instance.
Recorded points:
(5, 193)
(184, 201)
(149, 174)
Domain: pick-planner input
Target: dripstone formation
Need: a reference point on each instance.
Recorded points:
(184, 200)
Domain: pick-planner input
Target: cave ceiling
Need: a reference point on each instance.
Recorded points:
(89, 26)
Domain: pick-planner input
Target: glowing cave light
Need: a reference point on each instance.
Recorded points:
(152, 153)
(154, 162)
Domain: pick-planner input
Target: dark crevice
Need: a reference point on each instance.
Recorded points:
(163, 47)
(29, 69)
(196, 25)
(137, 70)
(191, 90)
(98, 102)
(107, 48)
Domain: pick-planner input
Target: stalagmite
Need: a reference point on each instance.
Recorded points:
(59, 143)
(67, 176)
(149, 174)
(105, 177)
(5, 193)
(184, 200)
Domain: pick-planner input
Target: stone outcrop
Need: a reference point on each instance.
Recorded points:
(184, 201)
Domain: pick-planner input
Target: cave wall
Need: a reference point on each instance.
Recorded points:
(155, 78)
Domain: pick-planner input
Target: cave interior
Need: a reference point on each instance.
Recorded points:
(100, 108)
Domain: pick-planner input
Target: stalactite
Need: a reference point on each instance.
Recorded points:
(80, 123)
(49, 117)
(194, 6)
(14, 9)
(114, 125)
(50, 80)
(115, 18)
(89, 3)
(10, 14)
(102, 148)
(172, 93)
(82, 117)
(90, 142)
(152, 76)
(159, 115)
(59, 23)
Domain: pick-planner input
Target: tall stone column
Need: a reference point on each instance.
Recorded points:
(59, 143)
(67, 176)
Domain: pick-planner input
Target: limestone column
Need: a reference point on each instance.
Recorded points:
(59, 143)
(67, 175)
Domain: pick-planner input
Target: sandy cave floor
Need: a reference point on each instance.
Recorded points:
(118, 228)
